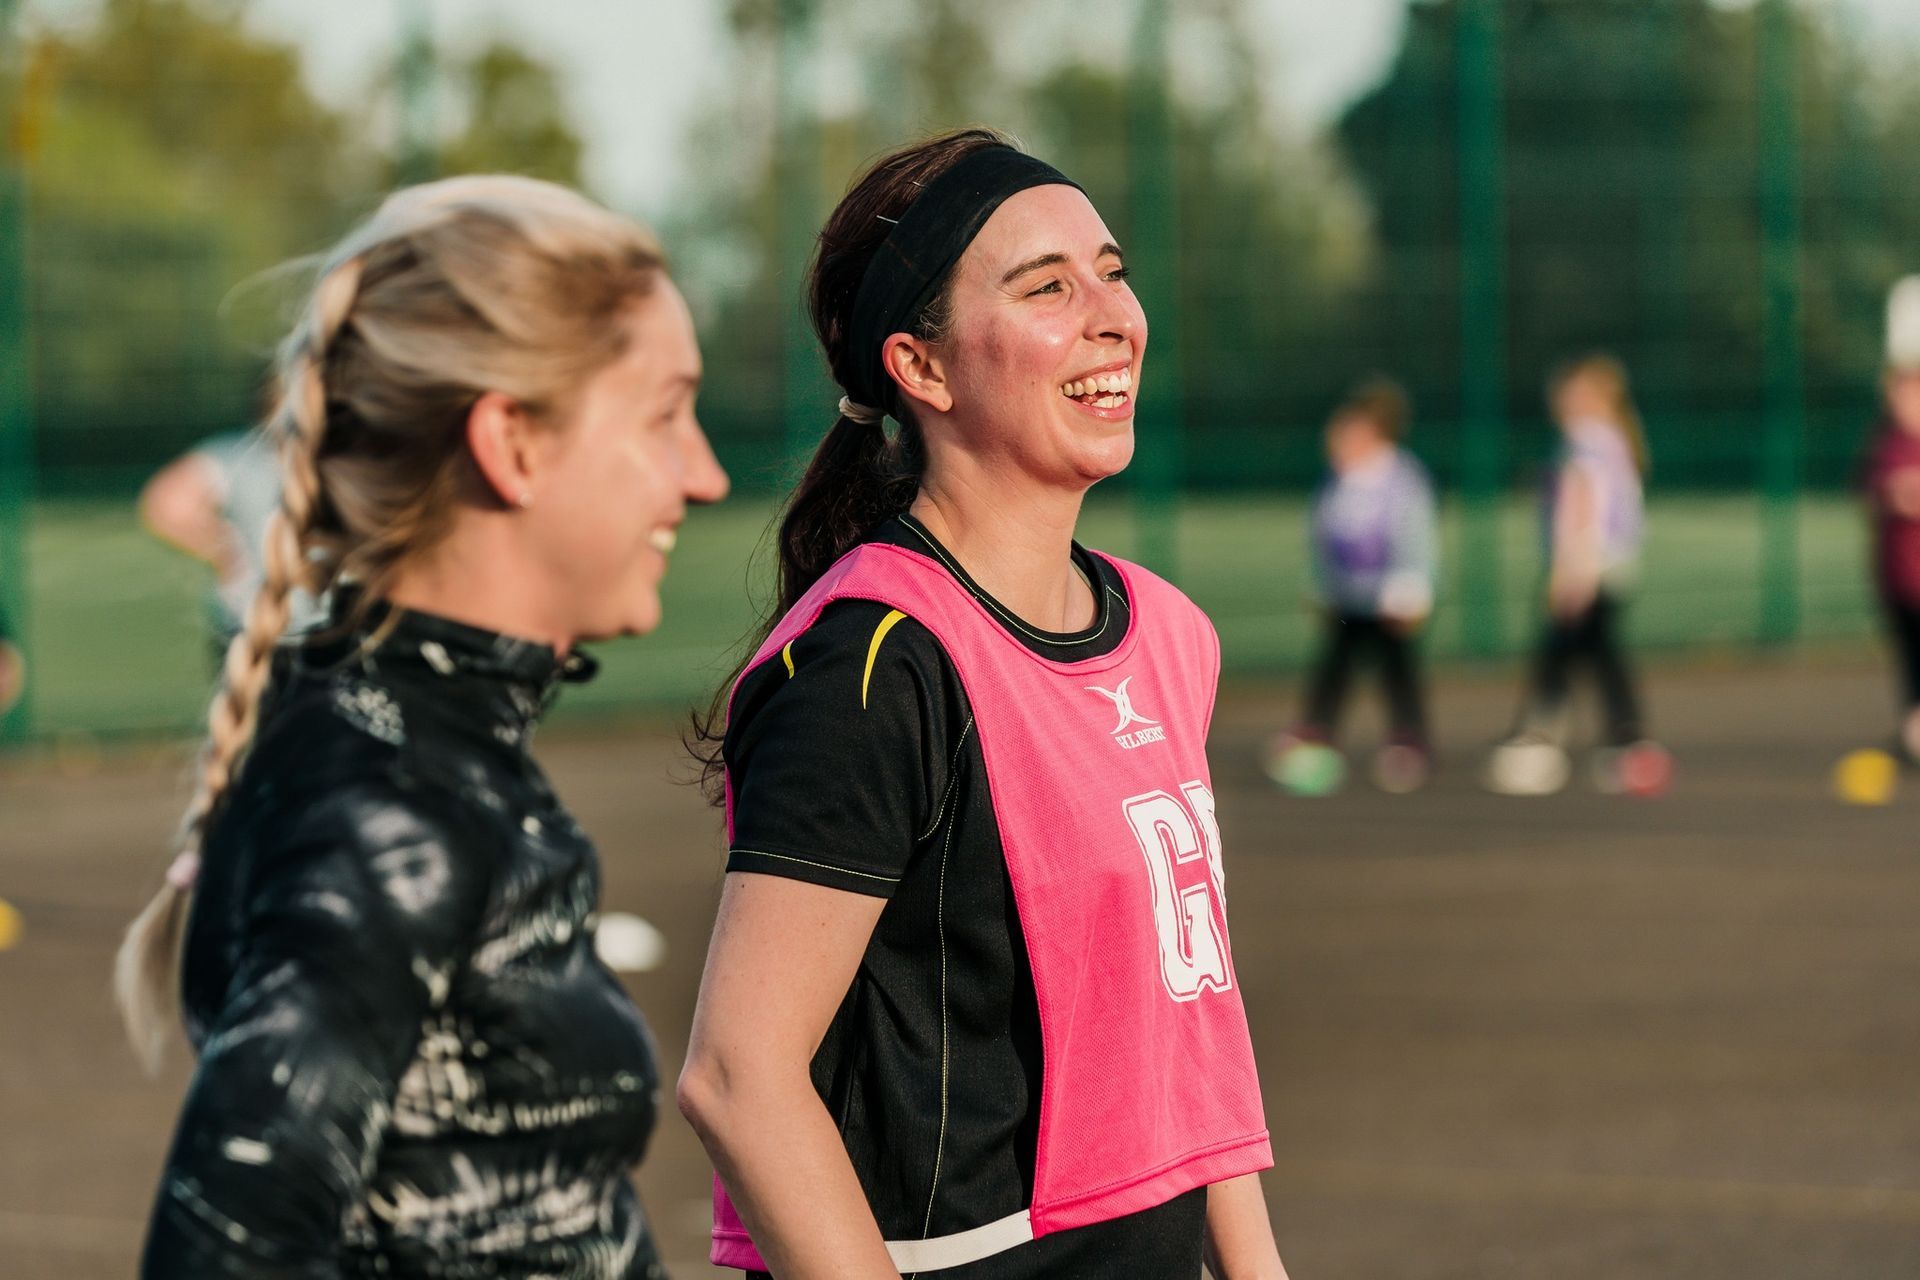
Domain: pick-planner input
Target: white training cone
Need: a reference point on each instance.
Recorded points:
(628, 944)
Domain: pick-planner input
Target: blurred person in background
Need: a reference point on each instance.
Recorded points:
(1594, 521)
(411, 1062)
(1374, 535)
(13, 669)
(969, 1007)
(213, 503)
(1893, 499)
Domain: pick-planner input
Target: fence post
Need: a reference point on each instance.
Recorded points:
(1483, 324)
(16, 421)
(1153, 186)
(1784, 399)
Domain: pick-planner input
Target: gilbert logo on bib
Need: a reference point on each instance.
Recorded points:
(1122, 700)
(1148, 1086)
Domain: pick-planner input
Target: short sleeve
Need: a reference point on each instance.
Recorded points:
(223, 455)
(838, 749)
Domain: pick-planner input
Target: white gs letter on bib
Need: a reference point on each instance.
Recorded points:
(1174, 838)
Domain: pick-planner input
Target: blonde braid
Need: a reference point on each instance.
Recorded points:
(147, 967)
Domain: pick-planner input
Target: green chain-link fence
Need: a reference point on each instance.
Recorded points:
(1720, 195)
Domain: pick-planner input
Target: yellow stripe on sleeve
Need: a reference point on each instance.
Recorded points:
(786, 656)
(873, 650)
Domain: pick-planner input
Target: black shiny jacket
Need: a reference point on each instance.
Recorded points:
(411, 1061)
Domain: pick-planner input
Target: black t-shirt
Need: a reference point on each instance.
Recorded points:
(855, 765)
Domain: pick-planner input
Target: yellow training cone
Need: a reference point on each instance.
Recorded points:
(9, 925)
(1867, 776)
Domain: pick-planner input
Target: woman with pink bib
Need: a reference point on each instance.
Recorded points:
(970, 1009)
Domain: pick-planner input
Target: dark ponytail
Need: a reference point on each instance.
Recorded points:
(860, 475)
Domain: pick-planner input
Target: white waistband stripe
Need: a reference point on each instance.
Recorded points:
(961, 1247)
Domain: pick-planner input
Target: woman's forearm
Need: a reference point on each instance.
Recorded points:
(1239, 1242)
(787, 1173)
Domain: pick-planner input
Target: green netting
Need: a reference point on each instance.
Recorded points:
(121, 643)
(1719, 193)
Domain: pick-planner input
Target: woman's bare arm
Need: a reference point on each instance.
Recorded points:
(783, 954)
(1239, 1237)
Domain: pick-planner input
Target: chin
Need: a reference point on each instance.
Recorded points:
(640, 621)
(1108, 460)
(636, 619)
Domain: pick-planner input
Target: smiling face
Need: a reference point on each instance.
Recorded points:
(618, 475)
(1037, 371)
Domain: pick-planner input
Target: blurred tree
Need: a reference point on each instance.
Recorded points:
(1633, 169)
(175, 156)
(1273, 234)
(515, 118)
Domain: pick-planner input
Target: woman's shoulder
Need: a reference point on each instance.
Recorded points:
(858, 656)
(1411, 469)
(363, 830)
(337, 755)
(1140, 589)
(839, 747)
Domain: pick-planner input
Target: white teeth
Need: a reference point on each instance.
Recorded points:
(1100, 384)
(663, 540)
(1105, 384)
(1108, 402)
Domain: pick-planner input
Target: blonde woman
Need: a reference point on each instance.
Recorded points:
(410, 1061)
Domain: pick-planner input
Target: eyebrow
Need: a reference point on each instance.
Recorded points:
(1053, 260)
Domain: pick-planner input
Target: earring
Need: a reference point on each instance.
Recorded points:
(526, 499)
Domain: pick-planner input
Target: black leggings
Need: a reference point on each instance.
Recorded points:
(1903, 624)
(1592, 638)
(1349, 638)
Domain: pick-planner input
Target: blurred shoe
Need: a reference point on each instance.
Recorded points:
(1303, 764)
(1402, 766)
(1528, 764)
(1280, 745)
(1644, 769)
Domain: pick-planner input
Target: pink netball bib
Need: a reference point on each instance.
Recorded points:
(1098, 776)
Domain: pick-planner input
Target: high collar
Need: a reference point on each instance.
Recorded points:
(473, 674)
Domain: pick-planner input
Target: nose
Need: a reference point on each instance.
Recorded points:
(1114, 315)
(705, 481)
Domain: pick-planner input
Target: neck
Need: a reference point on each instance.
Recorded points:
(474, 576)
(1014, 538)
(1366, 456)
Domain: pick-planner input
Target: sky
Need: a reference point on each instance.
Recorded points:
(637, 70)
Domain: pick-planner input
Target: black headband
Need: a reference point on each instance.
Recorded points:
(923, 246)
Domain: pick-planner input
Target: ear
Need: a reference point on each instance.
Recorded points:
(917, 370)
(501, 440)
